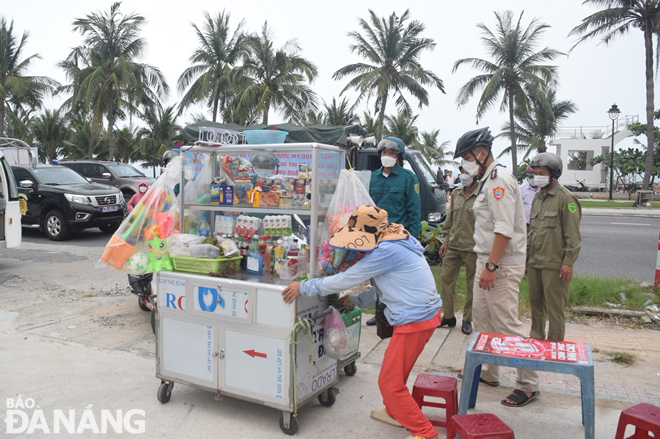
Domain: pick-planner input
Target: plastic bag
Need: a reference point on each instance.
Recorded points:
(350, 193)
(335, 335)
(140, 243)
(179, 244)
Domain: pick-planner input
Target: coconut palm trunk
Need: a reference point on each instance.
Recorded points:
(381, 116)
(2, 116)
(514, 149)
(650, 96)
(111, 134)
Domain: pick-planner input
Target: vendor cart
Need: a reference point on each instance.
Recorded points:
(232, 333)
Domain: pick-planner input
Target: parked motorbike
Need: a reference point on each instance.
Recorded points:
(141, 286)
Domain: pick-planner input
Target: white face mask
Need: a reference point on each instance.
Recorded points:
(470, 168)
(466, 180)
(387, 161)
(542, 180)
(143, 189)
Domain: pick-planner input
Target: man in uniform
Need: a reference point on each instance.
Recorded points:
(499, 237)
(458, 249)
(553, 245)
(528, 191)
(396, 189)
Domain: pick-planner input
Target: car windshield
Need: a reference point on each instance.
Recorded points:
(125, 171)
(57, 175)
(425, 168)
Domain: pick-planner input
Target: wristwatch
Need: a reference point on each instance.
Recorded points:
(491, 266)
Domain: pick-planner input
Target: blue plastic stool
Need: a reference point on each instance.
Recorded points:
(585, 372)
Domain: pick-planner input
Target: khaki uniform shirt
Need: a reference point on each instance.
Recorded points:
(499, 209)
(554, 235)
(458, 230)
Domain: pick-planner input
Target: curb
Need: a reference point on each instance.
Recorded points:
(585, 212)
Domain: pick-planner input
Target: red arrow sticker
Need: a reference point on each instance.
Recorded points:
(252, 353)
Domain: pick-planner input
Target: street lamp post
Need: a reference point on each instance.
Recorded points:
(614, 115)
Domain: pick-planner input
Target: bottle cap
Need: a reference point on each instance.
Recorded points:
(203, 218)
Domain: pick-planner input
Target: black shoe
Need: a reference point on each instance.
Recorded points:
(448, 322)
(371, 321)
(466, 328)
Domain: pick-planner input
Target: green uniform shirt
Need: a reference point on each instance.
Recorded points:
(398, 194)
(458, 230)
(554, 229)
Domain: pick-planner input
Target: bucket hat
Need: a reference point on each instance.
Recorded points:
(367, 227)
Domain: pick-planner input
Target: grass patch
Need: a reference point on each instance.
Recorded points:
(622, 358)
(614, 204)
(584, 291)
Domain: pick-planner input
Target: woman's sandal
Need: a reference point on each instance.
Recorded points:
(481, 380)
(520, 398)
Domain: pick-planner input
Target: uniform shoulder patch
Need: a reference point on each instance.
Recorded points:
(417, 188)
(572, 207)
(493, 173)
(498, 193)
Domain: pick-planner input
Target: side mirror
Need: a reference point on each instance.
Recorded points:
(89, 179)
(439, 177)
(107, 175)
(26, 184)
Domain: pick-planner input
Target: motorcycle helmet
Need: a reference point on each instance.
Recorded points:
(169, 155)
(393, 143)
(264, 164)
(552, 162)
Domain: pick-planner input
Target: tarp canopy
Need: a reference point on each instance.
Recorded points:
(330, 135)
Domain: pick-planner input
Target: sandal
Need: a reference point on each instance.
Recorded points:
(520, 398)
(483, 381)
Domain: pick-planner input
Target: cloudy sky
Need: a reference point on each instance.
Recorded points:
(593, 75)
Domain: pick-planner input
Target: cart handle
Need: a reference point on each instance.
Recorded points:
(327, 312)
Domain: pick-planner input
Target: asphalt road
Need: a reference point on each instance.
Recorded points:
(619, 247)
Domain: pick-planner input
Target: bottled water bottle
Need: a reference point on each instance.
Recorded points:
(203, 228)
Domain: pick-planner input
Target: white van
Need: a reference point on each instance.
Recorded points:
(10, 203)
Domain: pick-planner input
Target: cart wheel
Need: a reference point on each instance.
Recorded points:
(350, 369)
(327, 398)
(293, 425)
(164, 392)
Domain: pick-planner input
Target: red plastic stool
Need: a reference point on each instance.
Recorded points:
(479, 426)
(645, 418)
(439, 387)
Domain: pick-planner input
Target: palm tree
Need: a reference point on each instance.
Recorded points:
(617, 18)
(82, 143)
(275, 78)
(516, 69)
(339, 114)
(50, 131)
(162, 134)
(111, 81)
(537, 125)
(369, 123)
(436, 153)
(15, 86)
(313, 118)
(392, 51)
(402, 126)
(208, 79)
(128, 143)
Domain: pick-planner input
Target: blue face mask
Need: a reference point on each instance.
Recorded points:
(531, 181)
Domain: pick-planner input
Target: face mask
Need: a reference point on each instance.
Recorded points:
(470, 168)
(531, 181)
(143, 189)
(387, 161)
(466, 180)
(542, 180)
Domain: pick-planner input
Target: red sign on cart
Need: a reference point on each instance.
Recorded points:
(532, 349)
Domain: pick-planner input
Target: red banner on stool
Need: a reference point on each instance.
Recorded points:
(532, 349)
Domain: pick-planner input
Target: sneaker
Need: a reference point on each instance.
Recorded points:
(448, 322)
(381, 415)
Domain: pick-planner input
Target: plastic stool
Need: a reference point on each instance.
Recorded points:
(479, 426)
(645, 418)
(440, 387)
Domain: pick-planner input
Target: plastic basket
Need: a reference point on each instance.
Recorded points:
(224, 266)
(260, 137)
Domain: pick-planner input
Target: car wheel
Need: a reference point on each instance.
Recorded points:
(128, 195)
(109, 228)
(55, 226)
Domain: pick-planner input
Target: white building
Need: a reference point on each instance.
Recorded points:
(577, 145)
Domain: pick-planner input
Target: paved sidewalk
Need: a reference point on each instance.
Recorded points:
(640, 212)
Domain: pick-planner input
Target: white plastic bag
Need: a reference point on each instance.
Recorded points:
(335, 336)
(350, 193)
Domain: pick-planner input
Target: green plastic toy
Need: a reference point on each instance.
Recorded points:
(158, 256)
